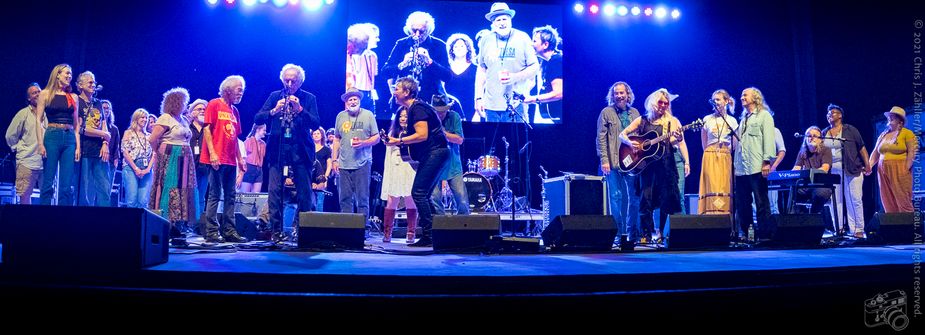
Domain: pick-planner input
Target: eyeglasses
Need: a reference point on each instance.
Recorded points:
(663, 103)
(418, 30)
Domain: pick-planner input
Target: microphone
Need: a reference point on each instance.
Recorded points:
(544, 170)
(797, 135)
(98, 88)
(504, 140)
(525, 147)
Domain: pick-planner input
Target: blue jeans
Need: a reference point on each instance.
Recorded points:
(318, 201)
(459, 196)
(624, 203)
(504, 116)
(679, 162)
(94, 182)
(60, 145)
(202, 184)
(422, 188)
(137, 190)
(353, 187)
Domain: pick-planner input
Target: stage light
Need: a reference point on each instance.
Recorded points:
(249, 2)
(594, 9)
(280, 3)
(675, 14)
(610, 9)
(328, 2)
(622, 10)
(294, 2)
(230, 2)
(648, 11)
(661, 12)
(635, 11)
(312, 5)
(264, 1)
(579, 8)
(212, 2)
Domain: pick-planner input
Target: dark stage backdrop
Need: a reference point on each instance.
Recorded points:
(802, 55)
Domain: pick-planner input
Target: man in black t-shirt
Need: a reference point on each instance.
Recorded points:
(428, 148)
(814, 155)
(548, 93)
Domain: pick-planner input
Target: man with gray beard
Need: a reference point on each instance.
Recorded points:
(352, 161)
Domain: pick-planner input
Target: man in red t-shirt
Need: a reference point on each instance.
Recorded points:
(220, 150)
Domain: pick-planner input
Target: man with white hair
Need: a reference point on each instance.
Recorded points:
(94, 139)
(507, 66)
(220, 135)
(290, 115)
(420, 56)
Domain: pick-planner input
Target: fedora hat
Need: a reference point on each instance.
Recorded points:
(442, 103)
(896, 110)
(499, 8)
(353, 91)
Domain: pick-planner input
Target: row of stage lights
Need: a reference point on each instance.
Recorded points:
(307, 4)
(610, 9)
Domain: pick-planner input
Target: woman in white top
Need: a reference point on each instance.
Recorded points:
(174, 192)
(716, 139)
(397, 176)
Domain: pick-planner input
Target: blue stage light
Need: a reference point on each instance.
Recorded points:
(635, 11)
(675, 14)
(622, 10)
(280, 3)
(212, 2)
(579, 8)
(610, 9)
(249, 2)
(328, 2)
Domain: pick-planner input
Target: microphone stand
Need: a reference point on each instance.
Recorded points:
(285, 125)
(840, 231)
(515, 119)
(732, 190)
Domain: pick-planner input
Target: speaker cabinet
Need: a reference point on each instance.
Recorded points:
(458, 233)
(65, 239)
(580, 233)
(331, 230)
(894, 228)
(797, 230)
(698, 231)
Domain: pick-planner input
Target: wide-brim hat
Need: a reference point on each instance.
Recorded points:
(351, 92)
(499, 8)
(442, 103)
(896, 110)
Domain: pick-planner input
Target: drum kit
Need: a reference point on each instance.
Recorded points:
(478, 180)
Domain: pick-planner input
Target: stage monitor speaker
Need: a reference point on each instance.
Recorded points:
(69, 239)
(893, 228)
(319, 230)
(459, 233)
(797, 230)
(580, 233)
(698, 231)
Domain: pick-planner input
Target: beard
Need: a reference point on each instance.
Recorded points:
(353, 109)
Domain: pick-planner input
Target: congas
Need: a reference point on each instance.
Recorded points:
(489, 166)
(479, 189)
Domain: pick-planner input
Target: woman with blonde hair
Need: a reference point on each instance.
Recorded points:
(895, 152)
(137, 161)
(58, 106)
(716, 139)
(174, 192)
(658, 182)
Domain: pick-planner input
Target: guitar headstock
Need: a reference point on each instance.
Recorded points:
(696, 125)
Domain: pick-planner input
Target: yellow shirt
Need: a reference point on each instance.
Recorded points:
(892, 149)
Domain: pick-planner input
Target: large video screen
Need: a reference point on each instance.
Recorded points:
(495, 62)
